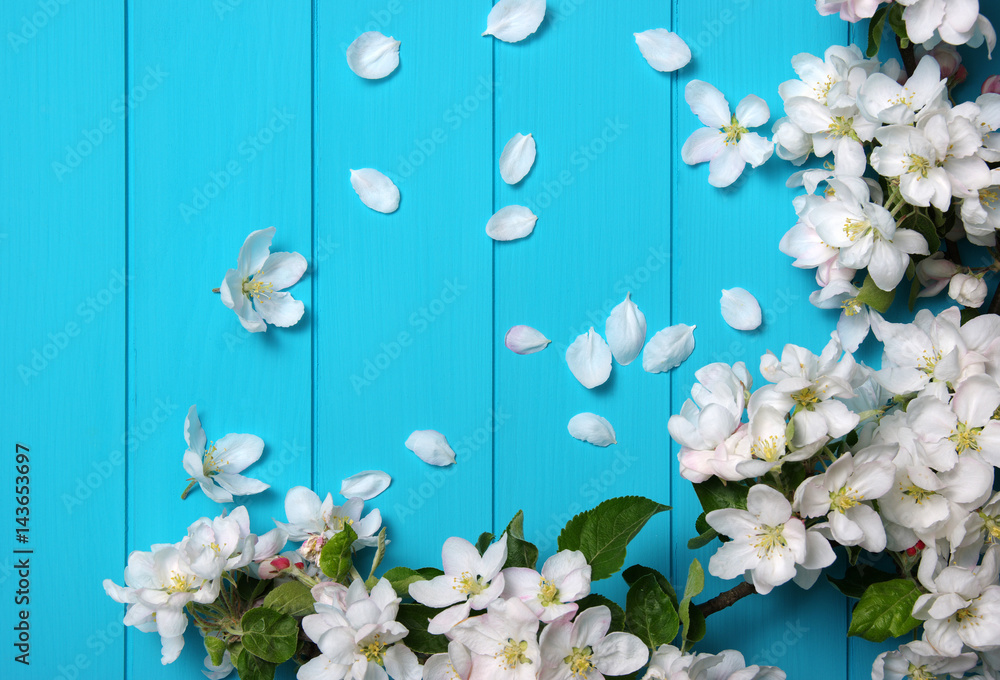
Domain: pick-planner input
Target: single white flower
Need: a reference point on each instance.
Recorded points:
(918, 659)
(726, 142)
(583, 649)
(216, 468)
(853, 324)
(967, 290)
(252, 289)
(218, 545)
(308, 517)
(551, 594)
(882, 99)
(504, 642)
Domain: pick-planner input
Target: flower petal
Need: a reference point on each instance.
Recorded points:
(525, 340)
(254, 251)
(512, 222)
(517, 158)
(282, 270)
(668, 349)
(626, 331)
(280, 309)
(373, 55)
(707, 103)
(665, 51)
(740, 309)
(194, 434)
(375, 189)
(235, 452)
(365, 485)
(515, 20)
(431, 447)
(593, 429)
(589, 358)
(726, 167)
(239, 485)
(752, 111)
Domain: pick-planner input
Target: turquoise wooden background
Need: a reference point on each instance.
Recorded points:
(142, 142)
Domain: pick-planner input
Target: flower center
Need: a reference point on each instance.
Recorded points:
(805, 398)
(851, 306)
(965, 616)
(338, 522)
(579, 661)
(770, 539)
(548, 594)
(844, 499)
(734, 131)
(988, 197)
(855, 228)
(181, 583)
(765, 448)
(512, 654)
(916, 493)
(965, 438)
(918, 165)
(929, 362)
(374, 650)
(842, 127)
(822, 88)
(991, 523)
(469, 584)
(920, 673)
(211, 464)
(253, 288)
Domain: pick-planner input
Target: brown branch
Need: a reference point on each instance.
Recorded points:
(726, 599)
(907, 55)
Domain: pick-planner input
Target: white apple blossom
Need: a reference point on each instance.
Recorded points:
(216, 467)
(582, 648)
(882, 99)
(309, 517)
(850, 10)
(503, 642)
(967, 290)
(214, 546)
(456, 664)
(918, 659)
(956, 22)
(934, 274)
(853, 324)
(551, 594)
(726, 142)
(252, 289)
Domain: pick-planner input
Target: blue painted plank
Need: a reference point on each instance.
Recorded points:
(220, 146)
(62, 258)
(727, 238)
(600, 187)
(404, 337)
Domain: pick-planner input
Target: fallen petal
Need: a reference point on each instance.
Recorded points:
(668, 349)
(517, 158)
(740, 309)
(589, 358)
(592, 428)
(373, 55)
(525, 340)
(365, 485)
(375, 189)
(665, 51)
(514, 20)
(625, 330)
(510, 223)
(431, 447)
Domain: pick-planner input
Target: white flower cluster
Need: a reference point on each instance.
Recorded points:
(900, 459)
(670, 663)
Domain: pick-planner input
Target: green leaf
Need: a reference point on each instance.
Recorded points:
(695, 584)
(894, 17)
(696, 630)
(484, 541)
(216, 648)
(379, 553)
(520, 553)
(292, 598)
(702, 540)
(875, 32)
(251, 667)
(617, 613)
(649, 613)
(335, 559)
(968, 314)
(401, 578)
(269, 634)
(919, 222)
(636, 572)
(716, 494)
(875, 297)
(857, 579)
(603, 533)
(249, 588)
(884, 610)
(415, 618)
(516, 526)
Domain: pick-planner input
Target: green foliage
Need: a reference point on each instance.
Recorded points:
(894, 17)
(402, 577)
(415, 618)
(857, 579)
(706, 534)
(884, 610)
(292, 598)
(875, 27)
(617, 613)
(649, 613)
(875, 297)
(251, 667)
(216, 648)
(269, 635)
(695, 584)
(335, 559)
(603, 533)
(520, 553)
(249, 588)
(715, 494)
(635, 572)
(484, 541)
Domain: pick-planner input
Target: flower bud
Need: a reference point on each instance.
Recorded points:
(312, 548)
(991, 85)
(270, 568)
(967, 290)
(946, 56)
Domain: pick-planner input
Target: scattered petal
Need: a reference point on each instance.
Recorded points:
(525, 340)
(626, 331)
(589, 357)
(668, 349)
(665, 51)
(517, 158)
(431, 447)
(365, 485)
(740, 309)
(373, 55)
(510, 223)
(514, 20)
(592, 428)
(375, 189)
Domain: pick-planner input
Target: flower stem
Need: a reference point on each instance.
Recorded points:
(726, 599)
(994, 307)
(907, 55)
(184, 494)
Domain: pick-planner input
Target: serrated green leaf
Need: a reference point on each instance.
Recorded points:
(875, 27)
(251, 667)
(520, 553)
(884, 610)
(216, 649)
(292, 598)
(269, 634)
(569, 537)
(484, 541)
(401, 577)
(617, 613)
(875, 297)
(415, 618)
(250, 588)
(235, 650)
(335, 559)
(649, 613)
(695, 584)
(637, 571)
(716, 494)
(697, 629)
(515, 527)
(610, 527)
(857, 579)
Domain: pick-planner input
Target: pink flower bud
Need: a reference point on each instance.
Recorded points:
(272, 567)
(991, 85)
(960, 75)
(946, 56)
(312, 547)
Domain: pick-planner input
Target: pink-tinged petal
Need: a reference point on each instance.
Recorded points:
(492, 592)
(703, 145)
(269, 544)
(254, 252)
(707, 103)
(445, 621)
(521, 582)
(282, 270)
(752, 111)
(726, 167)
(590, 626)
(280, 309)
(525, 340)
(440, 591)
(493, 559)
